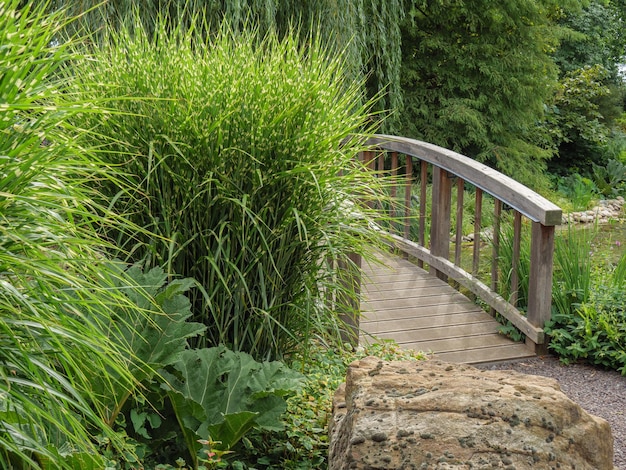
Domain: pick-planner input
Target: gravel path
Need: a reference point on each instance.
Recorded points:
(598, 391)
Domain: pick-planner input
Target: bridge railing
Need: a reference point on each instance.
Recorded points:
(437, 171)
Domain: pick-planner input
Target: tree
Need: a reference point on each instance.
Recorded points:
(591, 91)
(575, 121)
(595, 37)
(475, 77)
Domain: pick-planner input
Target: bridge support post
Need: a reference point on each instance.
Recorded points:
(540, 282)
(440, 214)
(348, 304)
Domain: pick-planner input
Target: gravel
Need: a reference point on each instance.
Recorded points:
(598, 391)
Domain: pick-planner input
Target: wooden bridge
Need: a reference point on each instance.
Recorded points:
(414, 295)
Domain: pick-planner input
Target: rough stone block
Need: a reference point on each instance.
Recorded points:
(432, 415)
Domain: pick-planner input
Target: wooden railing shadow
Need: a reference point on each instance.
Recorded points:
(409, 161)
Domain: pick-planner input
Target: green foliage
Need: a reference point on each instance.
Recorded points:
(595, 330)
(579, 191)
(236, 152)
(576, 112)
(467, 87)
(303, 445)
(366, 33)
(595, 38)
(154, 332)
(610, 179)
(219, 394)
(588, 319)
(573, 269)
(183, 400)
(55, 283)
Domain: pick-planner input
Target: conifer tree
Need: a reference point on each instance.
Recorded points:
(476, 75)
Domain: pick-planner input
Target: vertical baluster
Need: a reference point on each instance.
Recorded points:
(460, 187)
(380, 169)
(517, 237)
(458, 231)
(381, 162)
(497, 214)
(422, 204)
(371, 160)
(407, 196)
(478, 211)
(394, 188)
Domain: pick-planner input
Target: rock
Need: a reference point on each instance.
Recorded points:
(433, 415)
(604, 212)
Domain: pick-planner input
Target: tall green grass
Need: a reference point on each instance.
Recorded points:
(573, 269)
(589, 319)
(238, 152)
(54, 293)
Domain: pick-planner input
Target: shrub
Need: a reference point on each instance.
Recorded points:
(236, 148)
(303, 445)
(588, 319)
(596, 329)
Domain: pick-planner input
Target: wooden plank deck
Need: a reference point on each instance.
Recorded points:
(405, 303)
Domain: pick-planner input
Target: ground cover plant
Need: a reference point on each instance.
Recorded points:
(588, 312)
(237, 151)
(303, 444)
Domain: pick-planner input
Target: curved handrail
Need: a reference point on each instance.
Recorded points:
(514, 194)
(543, 214)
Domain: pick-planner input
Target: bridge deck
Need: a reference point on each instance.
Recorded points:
(419, 311)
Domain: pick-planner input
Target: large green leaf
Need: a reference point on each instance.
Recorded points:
(221, 394)
(155, 330)
(158, 339)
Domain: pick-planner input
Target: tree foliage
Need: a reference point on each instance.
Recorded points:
(589, 98)
(574, 120)
(595, 37)
(475, 77)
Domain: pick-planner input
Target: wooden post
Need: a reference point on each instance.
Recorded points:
(540, 282)
(495, 256)
(440, 217)
(421, 236)
(408, 186)
(348, 305)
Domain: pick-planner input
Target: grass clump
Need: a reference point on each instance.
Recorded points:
(589, 319)
(57, 289)
(237, 151)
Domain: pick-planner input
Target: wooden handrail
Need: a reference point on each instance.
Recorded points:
(506, 189)
(543, 214)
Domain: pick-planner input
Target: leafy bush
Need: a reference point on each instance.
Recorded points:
(236, 149)
(610, 179)
(588, 319)
(303, 445)
(580, 191)
(596, 329)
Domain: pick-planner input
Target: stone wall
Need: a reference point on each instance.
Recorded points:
(432, 415)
